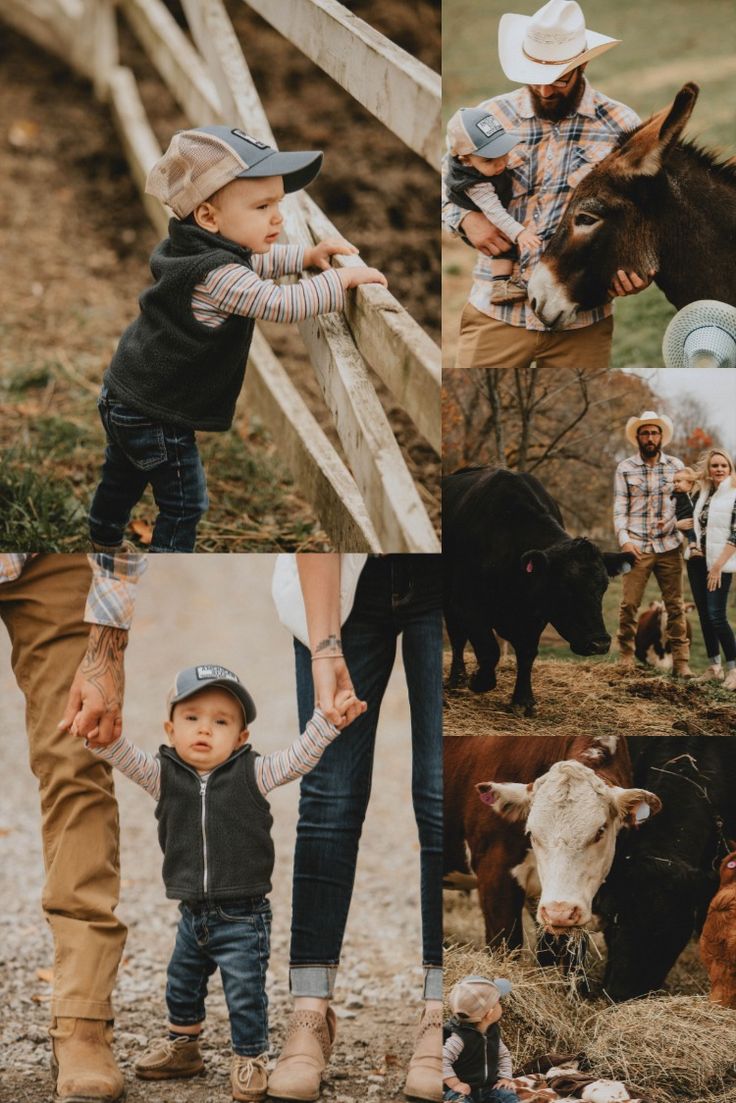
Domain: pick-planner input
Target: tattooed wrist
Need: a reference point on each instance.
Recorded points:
(328, 648)
(102, 664)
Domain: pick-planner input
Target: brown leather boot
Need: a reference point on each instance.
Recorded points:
(298, 1072)
(424, 1076)
(83, 1065)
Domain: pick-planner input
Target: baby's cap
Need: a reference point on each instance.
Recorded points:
(473, 996)
(200, 162)
(474, 130)
(195, 678)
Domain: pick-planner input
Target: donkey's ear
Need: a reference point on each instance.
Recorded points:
(644, 152)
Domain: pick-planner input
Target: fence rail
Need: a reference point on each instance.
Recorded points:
(375, 506)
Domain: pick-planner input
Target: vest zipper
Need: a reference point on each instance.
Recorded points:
(485, 1061)
(203, 797)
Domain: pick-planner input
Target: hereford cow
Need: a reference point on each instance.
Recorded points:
(510, 566)
(718, 940)
(652, 645)
(545, 824)
(662, 879)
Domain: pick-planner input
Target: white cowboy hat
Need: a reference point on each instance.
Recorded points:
(701, 335)
(649, 417)
(541, 48)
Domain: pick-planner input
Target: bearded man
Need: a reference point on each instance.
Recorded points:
(564, 127)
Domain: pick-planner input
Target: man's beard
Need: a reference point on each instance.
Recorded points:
(565, 102)
(645, 453)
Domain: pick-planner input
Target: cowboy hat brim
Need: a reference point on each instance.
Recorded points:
(703, 313)
(664, 423)
(524, 70)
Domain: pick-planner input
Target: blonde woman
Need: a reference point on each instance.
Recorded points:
(714, 524)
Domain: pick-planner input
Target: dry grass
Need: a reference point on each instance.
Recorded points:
(672, 1048)
(603, 696)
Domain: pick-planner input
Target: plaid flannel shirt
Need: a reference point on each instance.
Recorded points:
(545, 167)
(111, 597)
(643, 509)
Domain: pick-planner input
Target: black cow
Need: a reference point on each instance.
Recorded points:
(510, 566)
(662, 880)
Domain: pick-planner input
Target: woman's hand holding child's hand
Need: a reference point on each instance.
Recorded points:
(319, 255)
(527, 239)
(348, 706)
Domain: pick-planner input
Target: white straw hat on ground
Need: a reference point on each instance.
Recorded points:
(649, 417)
(701, 335)
(541, 48)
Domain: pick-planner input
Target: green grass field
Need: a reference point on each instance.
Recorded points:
(663, 45)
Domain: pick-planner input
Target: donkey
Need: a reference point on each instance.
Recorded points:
(653, 204)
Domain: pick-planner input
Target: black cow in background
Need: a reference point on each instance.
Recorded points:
(662, 880)
(511, 567)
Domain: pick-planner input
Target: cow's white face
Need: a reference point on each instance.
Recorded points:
(572, 818)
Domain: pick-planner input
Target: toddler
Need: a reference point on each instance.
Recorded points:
(179, 367)
(479, 147)
(214, 827)
(683, 483)
(476, 1065)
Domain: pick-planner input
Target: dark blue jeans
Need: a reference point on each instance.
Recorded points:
(712, 606)
(234, 936)
(481, 1095)
(396, 595)
(141, 451)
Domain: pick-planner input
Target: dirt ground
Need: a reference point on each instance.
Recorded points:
(78, 243)
(379, 989)
(598, 694)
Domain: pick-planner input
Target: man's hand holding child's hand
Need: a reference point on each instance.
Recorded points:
(319, 257)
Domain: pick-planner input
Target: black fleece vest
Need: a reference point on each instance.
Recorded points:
(477, 1065)
(460, 177)
(215, 833)
(168, 365)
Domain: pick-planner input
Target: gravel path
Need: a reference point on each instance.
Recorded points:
(186, 614)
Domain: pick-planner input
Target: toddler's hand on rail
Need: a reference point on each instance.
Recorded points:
(357, 274)
(319, 255)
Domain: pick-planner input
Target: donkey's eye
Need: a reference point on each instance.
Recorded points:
(583, 219)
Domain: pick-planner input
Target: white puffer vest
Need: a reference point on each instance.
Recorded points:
(720, 517)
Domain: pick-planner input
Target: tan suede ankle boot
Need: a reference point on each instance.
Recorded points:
(83, 1064)
(298, 1072)
(424, 1075)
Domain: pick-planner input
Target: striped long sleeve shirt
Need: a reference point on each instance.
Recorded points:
(272, 770)
(112, 591)
(251, 292)
(643, 509)
(545, 167)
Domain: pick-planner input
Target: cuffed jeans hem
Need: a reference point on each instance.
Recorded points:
(199, 1021)
(81, 1009)
(317, 981)
(251, 1051)
(432, 982)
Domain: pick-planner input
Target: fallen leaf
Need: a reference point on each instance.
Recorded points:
(5, 830)
(45, 975)
(41, 999)
(23, 134)
(143, 530)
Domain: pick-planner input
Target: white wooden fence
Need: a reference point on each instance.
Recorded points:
(375, 505)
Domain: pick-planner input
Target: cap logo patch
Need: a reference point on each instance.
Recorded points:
(490, 126)
(206, 673)
(249, 138)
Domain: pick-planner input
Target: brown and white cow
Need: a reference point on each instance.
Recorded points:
(545, 825)
(652, 645)
(718, 940)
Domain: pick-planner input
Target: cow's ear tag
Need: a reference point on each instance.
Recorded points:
(642, 812)
(529, 567)
(730, 865)
(489, 797)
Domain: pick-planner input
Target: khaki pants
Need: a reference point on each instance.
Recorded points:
(42, 611)
(487, 343)
(667, 569)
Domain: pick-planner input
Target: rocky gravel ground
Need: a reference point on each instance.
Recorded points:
(215, 609)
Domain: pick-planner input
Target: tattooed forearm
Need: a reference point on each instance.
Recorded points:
(102, 665)
(328, 648)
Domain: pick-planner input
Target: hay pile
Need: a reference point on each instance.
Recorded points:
(684, 1045)
(608, 697)
(672, 1048)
